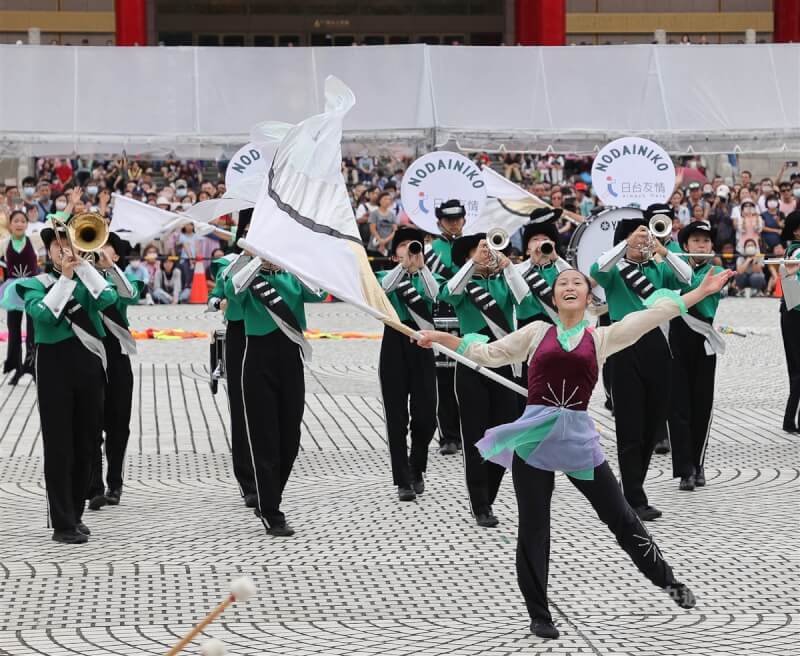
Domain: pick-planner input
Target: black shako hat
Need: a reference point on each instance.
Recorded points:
(791, 224)
(625, 227)
(451, 209)
(120, 246)
(659, 209)
(463, 245)
(406, 233)
(546, 214)
(548, 229)
(48, 235)
(690, 228)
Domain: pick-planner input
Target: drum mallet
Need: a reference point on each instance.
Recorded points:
(212, 647)
(241, 590)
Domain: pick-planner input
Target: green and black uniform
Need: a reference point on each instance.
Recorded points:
(790, 330)
(273, 387)
(482, 403)
(70, 385)
(694, 362)
(223, 269)
(640, 375)
(439, 260)
(119, 345)
(407, 375)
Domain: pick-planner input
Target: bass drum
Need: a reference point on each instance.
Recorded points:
(594, 237)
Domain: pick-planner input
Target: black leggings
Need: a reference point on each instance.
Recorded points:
(534, 488)
(790, 330)
(14, 354)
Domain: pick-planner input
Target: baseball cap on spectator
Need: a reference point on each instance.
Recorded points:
(693, 185)
(723, 191)
(181, 183)
(746, 202)
(708, 188)
(580, 186)
(163, 200)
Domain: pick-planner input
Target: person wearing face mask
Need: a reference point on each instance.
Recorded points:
(406, 373)
(766, 189)
(772, 224)
(640, 374)
(450, 219)
(483, 292)
(790, 319)
(750, 270)
(749, 225)
(20, 260)
(556, 433)
(43, 202)
(29, 193)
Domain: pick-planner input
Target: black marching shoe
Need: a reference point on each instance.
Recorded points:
(405, 493)
(448, 449)
(681, 595)
(787, 427)
(98, 501)
(648, 513)
(113, 496)
(544, 629)
(700, 477)
(417, 483)
(486, 519)
(69, 536)
(82, 528)
(18, 374)
(662, 447)
(687, 483)
(280, 531)
(251, 500)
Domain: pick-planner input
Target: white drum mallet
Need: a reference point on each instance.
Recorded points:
(241, 590)
(212, 647)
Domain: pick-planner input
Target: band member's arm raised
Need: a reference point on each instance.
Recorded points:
(458, 283)
(392, 279)
(241, 279)
(53, 302)
(680, 267)
(608, 260)
(561, 264)
(429, 282)
(123, 285)
(519, 288)
(91, 278)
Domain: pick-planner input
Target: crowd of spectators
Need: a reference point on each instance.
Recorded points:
(746, 215)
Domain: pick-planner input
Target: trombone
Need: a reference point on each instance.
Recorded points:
(85, 233)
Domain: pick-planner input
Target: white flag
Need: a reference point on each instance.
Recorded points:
(303, 220)
(508, 205)
(139, 223)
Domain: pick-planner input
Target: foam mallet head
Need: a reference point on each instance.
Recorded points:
(241, 590)
(213, 647)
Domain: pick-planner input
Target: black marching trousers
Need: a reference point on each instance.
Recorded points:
(605, 320)
(640, 386)
(273, 391)
(116, 419)
(14, 353)
(240, 450)
(692, 398)
(534, 489)
(482, 404)
(408, 383)
(790, 330)
(70, 386)
(447, 406)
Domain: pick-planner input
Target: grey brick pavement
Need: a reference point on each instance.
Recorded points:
(367, 575)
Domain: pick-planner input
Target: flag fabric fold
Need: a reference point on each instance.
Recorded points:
(303, 220)
(508, 206)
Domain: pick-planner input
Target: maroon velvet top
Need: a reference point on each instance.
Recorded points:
(21, 265)
(562, 378)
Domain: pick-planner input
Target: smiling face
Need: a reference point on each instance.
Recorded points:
(571, 291)
(18, 224)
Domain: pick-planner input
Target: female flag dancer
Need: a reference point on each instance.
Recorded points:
(555, 433)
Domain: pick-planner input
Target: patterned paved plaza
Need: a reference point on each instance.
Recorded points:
(367, 575)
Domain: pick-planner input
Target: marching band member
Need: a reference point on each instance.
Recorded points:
(273, 387)
(450, 218)
(540, 241)
(231, 306)
(556, 433)
(66, 306)
(120, 346)
(640, 373)
(790, 319)
(695, 345)
(483, 292)
(407, 374)
(20, 260)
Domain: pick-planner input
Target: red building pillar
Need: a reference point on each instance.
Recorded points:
(541, 22)
(786, 17)
(131, 19)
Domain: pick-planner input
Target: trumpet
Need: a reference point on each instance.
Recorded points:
(497, 239)
(414, 247)
(660, 227)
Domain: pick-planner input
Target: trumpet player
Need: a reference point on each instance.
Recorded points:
(273, 385)
(450, 219)
(231, 305)
(483, 293)
(66, 305)
(120, 346)
(694, 344)
(407, 373)
(790, 318)
(540, 241)
(641, 373)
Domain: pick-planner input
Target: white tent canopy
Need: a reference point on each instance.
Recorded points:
(202, 102)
